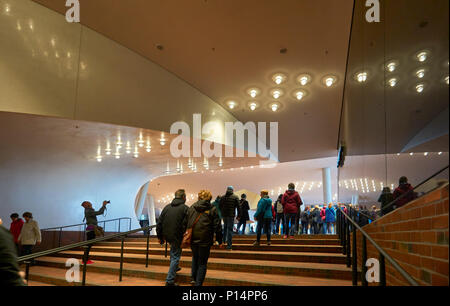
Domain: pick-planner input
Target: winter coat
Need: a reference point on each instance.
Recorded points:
(171, 223)
(216, 205)
(305, 217)
(386, 198)
(207, 225)
(401, 190)
(243, 210)
(16, 228)
(9, 268)
(228, 205)
(264, 209)
(91, 217)
(30, 233)
(330, 215)
(315, 216)
(291, 202)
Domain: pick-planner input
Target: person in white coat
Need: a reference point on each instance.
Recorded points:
(30, 234)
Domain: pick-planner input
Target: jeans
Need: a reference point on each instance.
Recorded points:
(290, 228)
(266, 222)
(280, 218)
(240, 224)
(330, 227)
(304, 228)
(200, 255)
(175, 255)
(228, 223)
(89, 236)
(314, 228)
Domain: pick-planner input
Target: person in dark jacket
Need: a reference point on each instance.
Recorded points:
(9, 267)
(315, 220)
(15, 229)
(229, 204)
(216, 205)
(171, 227)
(90, 215)
(404, 193)
(304, 216)
(291, 202)
(203, 232)
(264, 217)
(243, 216)
(279, 214)
(385, 198)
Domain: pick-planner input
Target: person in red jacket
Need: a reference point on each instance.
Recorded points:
(405, 191)
(16, 228)
(291, 202)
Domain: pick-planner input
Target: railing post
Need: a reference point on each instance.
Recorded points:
(119, 224)
(354, 258)
(148, 242)
(382, 271)
(344, 234)
(27, 270)
(121, 259)
(364, 260)
(347, 225)
(85, 259)
(60, 233)
(129, 222)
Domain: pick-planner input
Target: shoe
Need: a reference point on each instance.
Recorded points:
(192, 282)
(256, 243)
(89, 262)
(171, 284)
(228, 248)
(268, 243)
(178, 269)
(285, 237)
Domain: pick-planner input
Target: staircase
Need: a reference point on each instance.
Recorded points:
(311, 260)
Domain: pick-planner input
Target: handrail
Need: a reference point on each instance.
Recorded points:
(73, 225)
(86, 245)
(344, 229)
(83, 243)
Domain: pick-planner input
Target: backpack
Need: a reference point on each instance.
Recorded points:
(279, 207)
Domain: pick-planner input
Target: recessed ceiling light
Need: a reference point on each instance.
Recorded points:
(420, 73)
(361, 77)
(99, 158)
(274, 106)
(446, 80)
(440, 153)
(276, 93)
(304, 79)
(279, 78)
(391, 66)
(300, 94)
(231, 104)
(392, 82)
(329, 80)
(253, 106)
(426, 153)
(420, 88)
(422, 56)
(253, 92)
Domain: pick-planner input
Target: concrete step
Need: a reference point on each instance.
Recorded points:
(143, 242)
(106, 273)
(319, 270)
(139, 237)
(135, 246)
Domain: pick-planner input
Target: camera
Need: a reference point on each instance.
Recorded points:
(108, 202)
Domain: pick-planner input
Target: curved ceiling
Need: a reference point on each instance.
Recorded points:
(223, 48)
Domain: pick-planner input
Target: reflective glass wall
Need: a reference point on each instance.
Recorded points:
(395, 113)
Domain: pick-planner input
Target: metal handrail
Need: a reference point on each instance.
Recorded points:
(73, 225)
(344, 235)
(86, 245)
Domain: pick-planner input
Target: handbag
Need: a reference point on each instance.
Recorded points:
(187, 236)
(99, 231)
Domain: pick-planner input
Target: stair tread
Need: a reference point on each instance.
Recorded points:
(325, 266)
(267, 279)
(239, 252)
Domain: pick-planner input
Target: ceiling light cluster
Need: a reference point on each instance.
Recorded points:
(130, 148)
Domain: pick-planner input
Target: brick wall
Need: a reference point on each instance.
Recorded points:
(416, 236)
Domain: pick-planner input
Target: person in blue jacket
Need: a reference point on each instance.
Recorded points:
(264, 217)
(330, 218)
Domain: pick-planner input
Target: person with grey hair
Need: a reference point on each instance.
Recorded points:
(170, 227)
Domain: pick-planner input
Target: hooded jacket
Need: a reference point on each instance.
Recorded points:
(243, 210)
(400, 191)
(207, 225)
(172, 222)
(264, 209)
(291, 202)
(30, 233)
(16, 228)
(228, 205)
